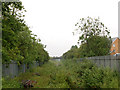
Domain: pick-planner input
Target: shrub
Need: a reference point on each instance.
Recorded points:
(86, 74)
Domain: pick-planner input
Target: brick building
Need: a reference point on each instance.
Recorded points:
(115, 47)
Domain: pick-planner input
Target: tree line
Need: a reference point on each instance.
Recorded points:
(94, 39)
(18, 42)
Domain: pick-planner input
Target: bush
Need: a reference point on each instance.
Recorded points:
(68, 74)
(85, 74)
(10, 83)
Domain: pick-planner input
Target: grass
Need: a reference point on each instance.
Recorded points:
(45, 71)
(67, 74)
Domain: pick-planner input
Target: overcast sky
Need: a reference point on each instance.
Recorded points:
(53, 21)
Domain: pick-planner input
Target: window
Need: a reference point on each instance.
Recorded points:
(113, 45)
(113, 50)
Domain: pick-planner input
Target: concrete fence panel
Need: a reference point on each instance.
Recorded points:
(13, 69)
(101, 62)
(107, 61)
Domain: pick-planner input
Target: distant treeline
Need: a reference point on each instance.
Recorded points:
(18, 43)
(96, 46)
(56, 57)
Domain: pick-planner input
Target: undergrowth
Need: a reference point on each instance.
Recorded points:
(67, 74)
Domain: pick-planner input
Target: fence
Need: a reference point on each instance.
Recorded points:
(106, 61)
(13, 69)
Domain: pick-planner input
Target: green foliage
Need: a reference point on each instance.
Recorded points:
(10, 83)
(91, 27)
(94, 37)
(96, 46)
(69, 74)
(19, 44)
(72, 53)
(87, 75)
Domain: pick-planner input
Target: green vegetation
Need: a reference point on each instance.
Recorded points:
(88, 27)
(19, 44)
(67, 74)
(72, 53)
(94, 37)
(87, 74)
(96, 46)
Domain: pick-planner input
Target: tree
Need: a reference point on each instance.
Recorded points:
(74, 47)
(12, 24)
(95, 38)
(88, 27)
(19, 44)
(98, 46)
(72, 53)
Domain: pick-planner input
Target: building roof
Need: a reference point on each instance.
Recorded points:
(113, 39)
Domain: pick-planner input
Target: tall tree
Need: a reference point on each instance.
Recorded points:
(12, 24)
(19, 44)
(94, 36)
(98, 46)
(88, 27)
